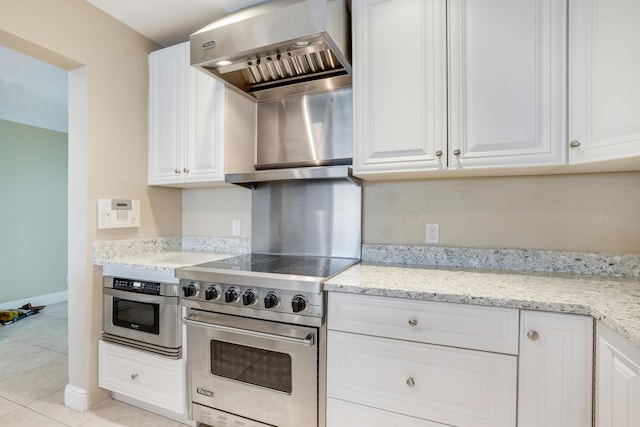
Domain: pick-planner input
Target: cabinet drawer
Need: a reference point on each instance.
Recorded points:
(143, 376)
(456, 325)
(446, 385)
(341, 413)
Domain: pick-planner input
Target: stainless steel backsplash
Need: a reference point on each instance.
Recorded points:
(313, 218)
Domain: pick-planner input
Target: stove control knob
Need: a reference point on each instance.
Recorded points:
(249, 297)
(191, 289)
(231, 295)
(298, 303)
(213, 292)
(271, 300)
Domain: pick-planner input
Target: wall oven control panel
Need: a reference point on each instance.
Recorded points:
(129, 285)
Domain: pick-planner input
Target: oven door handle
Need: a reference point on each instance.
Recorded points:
(308, 341)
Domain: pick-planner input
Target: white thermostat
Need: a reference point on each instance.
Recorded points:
(118, 213)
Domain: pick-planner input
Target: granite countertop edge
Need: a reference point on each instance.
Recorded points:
(166, 261)
(614, 302)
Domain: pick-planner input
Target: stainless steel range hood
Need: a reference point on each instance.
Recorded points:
(278, 48)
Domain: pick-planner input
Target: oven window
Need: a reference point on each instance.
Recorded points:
(140, 316)
(251, 365)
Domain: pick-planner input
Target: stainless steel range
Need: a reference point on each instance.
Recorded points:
(256, 334)
(256, 339)
(272, 287)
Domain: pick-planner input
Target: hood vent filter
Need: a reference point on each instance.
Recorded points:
(278, 49)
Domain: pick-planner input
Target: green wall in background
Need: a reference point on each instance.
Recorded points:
(33, 211)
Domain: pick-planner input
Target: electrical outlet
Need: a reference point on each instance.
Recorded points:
(433, 233)
(235, 227)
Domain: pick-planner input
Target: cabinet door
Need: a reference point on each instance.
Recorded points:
(152, 379)
(399, 86)
(167, 114)
(605, 79)
(617, 380)
(206, 130)
(507, 62)
(555, 371)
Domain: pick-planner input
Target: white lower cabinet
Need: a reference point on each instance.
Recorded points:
(347, 414)
(386, 354)
(404, 362)
(152, 379)
(555, 370)
(617, 380)
(442, 384)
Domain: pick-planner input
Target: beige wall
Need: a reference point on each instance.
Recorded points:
(597, 212)
(584, 212)
(210, 211)
(107, 145)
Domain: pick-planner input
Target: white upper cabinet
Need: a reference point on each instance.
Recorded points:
(507, 62)
(504, 80)
(604, 80)
(186, 121)
(457, 87)
(399, 85)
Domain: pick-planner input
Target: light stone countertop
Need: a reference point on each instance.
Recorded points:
(158, 266)
(615, 302)
(163, 260)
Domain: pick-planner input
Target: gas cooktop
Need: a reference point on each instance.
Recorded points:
(308, 266)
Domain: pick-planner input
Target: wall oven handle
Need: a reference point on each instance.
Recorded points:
(308, 341)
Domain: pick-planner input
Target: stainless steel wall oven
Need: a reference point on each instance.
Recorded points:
(142, 314)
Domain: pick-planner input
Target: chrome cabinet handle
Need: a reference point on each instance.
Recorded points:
(185, 170)
(411, 382)
(438, 153)
(533, 335)
(307, 341)
(413, 322)
(177, 171)
(574, 144)
(134, 377)
(457, 152)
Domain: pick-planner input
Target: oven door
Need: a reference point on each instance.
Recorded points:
(262, 370)
(151, 319)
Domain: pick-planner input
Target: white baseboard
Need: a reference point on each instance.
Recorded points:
(75, 398)
(39, 300)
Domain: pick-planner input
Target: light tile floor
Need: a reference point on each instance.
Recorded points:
(34, 372)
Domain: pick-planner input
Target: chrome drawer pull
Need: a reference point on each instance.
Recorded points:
(134, 377)
(411, 382)
(413, 322)
(533, 335)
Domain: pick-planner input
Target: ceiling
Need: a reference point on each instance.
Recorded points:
(168, 22)
(35, 93)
